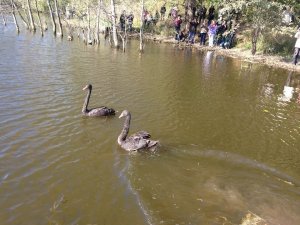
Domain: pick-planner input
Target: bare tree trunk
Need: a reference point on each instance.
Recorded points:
(189, 4)
(32, 26)
(123, 36)
(4, 20)
(89, 40)
(39, 18)
(98, 22)
(70, 30)
(142, 27)
(113, 20)
(255, 34)
(124, 39)
(52, 17)
(58, 18)
(14, 16)
(84, 39)
(19, 13)
(107, 35)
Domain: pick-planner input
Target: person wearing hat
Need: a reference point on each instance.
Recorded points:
(297, 46)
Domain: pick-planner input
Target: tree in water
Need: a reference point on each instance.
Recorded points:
(14, 16)
(52, 17)
(21, 16)
(60, 33)
(89, 39)
(99, 7)
(3, 19)
(123, 36)
(113, 22)
(142, 27)
(32, 26)
(39, 18)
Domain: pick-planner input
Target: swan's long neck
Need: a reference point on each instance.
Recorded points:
(86, 102)
(125, 130)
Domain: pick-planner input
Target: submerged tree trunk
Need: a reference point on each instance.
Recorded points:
(97, 39)
(39, 18)
(14, 16)
(58, 18)
(89, 40)
(142, 26)
(32, 26)
(52, 17)
(19, 13)
(113, 21)
(255, 34)
(107, 35)
(4, 20)
(123, 36)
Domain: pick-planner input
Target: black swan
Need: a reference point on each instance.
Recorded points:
(101, 111)
(137, 141)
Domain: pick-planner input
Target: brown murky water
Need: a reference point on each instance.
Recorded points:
(230, 136)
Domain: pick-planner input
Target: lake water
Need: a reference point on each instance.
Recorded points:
(229, 134)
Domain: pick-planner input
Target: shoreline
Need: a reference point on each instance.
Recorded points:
(238, 53)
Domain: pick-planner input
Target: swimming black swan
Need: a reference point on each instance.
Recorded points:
(101, 111)
(137, 141)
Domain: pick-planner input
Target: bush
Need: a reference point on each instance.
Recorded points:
(278, 41)
(164, 28)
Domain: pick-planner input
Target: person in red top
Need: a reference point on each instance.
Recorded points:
(177, 24)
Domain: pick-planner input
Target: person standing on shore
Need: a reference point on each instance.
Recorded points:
(297, 46)
(177, 24)
(192, 30)
(122, 20)
(212, 31)
(130, 18)
(203, 32)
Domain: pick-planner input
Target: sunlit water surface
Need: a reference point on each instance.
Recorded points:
(230, 136)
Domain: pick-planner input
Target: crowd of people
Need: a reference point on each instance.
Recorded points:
(129, 18)
(217, 31)
(202, 23)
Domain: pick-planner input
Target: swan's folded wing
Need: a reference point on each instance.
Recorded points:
(135, 143)
(142, 134)
(102, 111)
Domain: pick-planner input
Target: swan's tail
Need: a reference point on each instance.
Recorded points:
(111, 112)
(153, 144)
